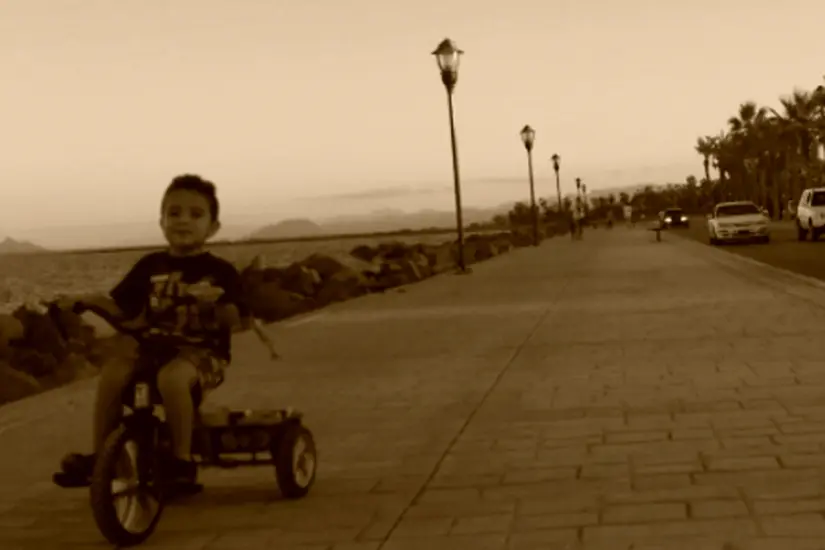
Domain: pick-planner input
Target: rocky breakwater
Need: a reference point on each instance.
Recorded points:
(276, 293)
(35, 357)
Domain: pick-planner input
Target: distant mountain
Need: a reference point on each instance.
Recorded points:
(379, 221)
(287, 229)
(10, 246)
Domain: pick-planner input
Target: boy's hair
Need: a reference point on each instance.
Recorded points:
(196, 184)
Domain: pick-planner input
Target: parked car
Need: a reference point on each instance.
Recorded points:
(738, 221)
(810, 214)
(673, 217)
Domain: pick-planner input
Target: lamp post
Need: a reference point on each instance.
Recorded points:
(528, 137)
(448, 57)
(556, 159)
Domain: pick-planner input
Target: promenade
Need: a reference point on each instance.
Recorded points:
(606, 394)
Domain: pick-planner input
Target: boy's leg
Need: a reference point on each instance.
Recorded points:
(114, 377)
(175, 382)
(108, 408)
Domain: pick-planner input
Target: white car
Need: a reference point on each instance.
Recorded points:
(738, 221)
(810, 214)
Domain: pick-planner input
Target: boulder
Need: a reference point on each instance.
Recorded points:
(422, 264)
(520, 238)
(35, 363)
(15, 384)
(364, 252)
(343, 285)
(395, 250)
(479, 249)
(442, 257)
(11, 329)
(42, 336)
(398, 272)
(502, 244)
(298, 279)
(326, 266)
(269, 302)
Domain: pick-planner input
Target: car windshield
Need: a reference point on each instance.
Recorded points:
(818, 199)
(673, 213)
(736, 210)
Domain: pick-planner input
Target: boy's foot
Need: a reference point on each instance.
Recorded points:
(182, 473)
(75, 470)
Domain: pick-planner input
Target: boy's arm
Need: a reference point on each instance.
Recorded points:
(236, 315)
(101, 301)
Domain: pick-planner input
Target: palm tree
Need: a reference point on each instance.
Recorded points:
(704, 146)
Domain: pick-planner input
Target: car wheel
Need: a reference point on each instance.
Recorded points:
(801, 232)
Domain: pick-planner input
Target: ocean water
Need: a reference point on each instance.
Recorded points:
(31, 278)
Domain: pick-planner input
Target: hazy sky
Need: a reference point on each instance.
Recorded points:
(283, 101)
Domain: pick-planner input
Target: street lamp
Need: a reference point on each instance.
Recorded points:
(528, 136)
(448, 57)
(556, 159)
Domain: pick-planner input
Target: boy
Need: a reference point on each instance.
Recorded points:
(184, 292)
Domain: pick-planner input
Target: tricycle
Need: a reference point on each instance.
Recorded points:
(128, 488)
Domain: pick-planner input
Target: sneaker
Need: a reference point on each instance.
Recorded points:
(182, 472)
(78, 464)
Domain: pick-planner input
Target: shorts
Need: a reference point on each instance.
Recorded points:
(210, 368)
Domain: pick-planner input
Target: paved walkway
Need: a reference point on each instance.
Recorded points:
(612, 393)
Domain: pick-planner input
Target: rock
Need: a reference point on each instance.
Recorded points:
(520, 238)
(364, 253)
(422, 264)
(74, 367)
(502, 245)
(257, 273)
(441, 258)
(117, 347)
(273, 274)
(343, 285)
(16, 385)
(42, 336)
(299, 279)
(478, 250)
(33, 362)
(394, 250)
(325, 266)
(398, 272)
(11, 329)
(269, 302)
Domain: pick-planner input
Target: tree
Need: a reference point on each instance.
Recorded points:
(766, 155)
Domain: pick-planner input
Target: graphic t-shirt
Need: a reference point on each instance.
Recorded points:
(179, 295)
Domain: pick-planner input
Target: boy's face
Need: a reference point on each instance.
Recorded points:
(186, 221)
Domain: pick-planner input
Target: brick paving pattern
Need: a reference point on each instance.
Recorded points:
(612, 393)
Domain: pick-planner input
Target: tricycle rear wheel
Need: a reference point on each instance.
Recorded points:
(295, 459)
(126, 501)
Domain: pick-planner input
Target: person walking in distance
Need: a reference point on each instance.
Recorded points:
(628, 215)
(578, 217)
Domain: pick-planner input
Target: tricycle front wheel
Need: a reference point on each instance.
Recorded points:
(125, 497)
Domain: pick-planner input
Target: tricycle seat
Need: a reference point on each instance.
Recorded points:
(251, 418)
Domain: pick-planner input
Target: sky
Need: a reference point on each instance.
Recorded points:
(320, 107)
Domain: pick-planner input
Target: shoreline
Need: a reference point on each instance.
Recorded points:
(302, 289)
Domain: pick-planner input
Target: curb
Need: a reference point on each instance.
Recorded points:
(776, 272)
